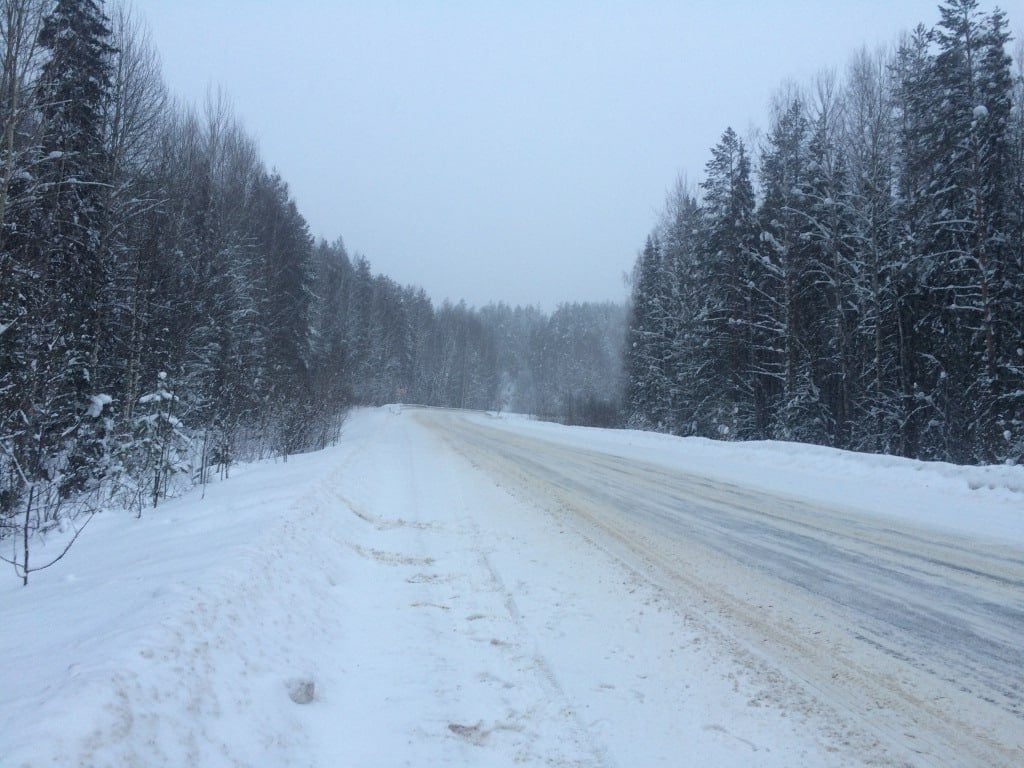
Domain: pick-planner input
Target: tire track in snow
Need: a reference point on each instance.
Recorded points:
(493, 692)
(915, 637)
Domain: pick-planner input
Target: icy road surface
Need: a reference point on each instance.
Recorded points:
(451, 589)
(913, 635)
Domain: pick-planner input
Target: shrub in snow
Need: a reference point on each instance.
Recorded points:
(67, 489)
(160, 445)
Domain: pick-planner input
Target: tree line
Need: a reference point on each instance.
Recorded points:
(385, 343)
(164, 311)
(857, 279)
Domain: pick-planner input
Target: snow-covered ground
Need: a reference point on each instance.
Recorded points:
(392, 602)
(979, 501)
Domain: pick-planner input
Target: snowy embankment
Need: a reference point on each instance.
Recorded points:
(385, 603)
(983, 501)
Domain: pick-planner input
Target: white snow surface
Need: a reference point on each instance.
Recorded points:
(385, 603)
(986, 501)
(97, 403)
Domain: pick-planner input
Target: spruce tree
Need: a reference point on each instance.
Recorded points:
(970, 193)
(733, 348)
(65, 250)
(788, 287)
(684, 301)
(834, 270)
(648, 347)
(57, 448)
(869, 142)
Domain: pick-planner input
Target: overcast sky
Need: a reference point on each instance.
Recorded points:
(515, 150)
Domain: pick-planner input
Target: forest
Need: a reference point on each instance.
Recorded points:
(854, 277)
(165, 313)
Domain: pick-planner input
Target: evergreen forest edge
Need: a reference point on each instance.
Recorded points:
(866, 291)
(857, 280)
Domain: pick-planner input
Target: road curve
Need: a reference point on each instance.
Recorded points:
(913, 635)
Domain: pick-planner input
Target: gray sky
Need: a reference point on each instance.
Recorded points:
(515, 150)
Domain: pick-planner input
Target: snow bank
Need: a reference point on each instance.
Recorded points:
(985, 501)
(183, 638)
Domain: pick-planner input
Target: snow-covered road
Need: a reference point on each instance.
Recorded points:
(455, 589)
(912, 633)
